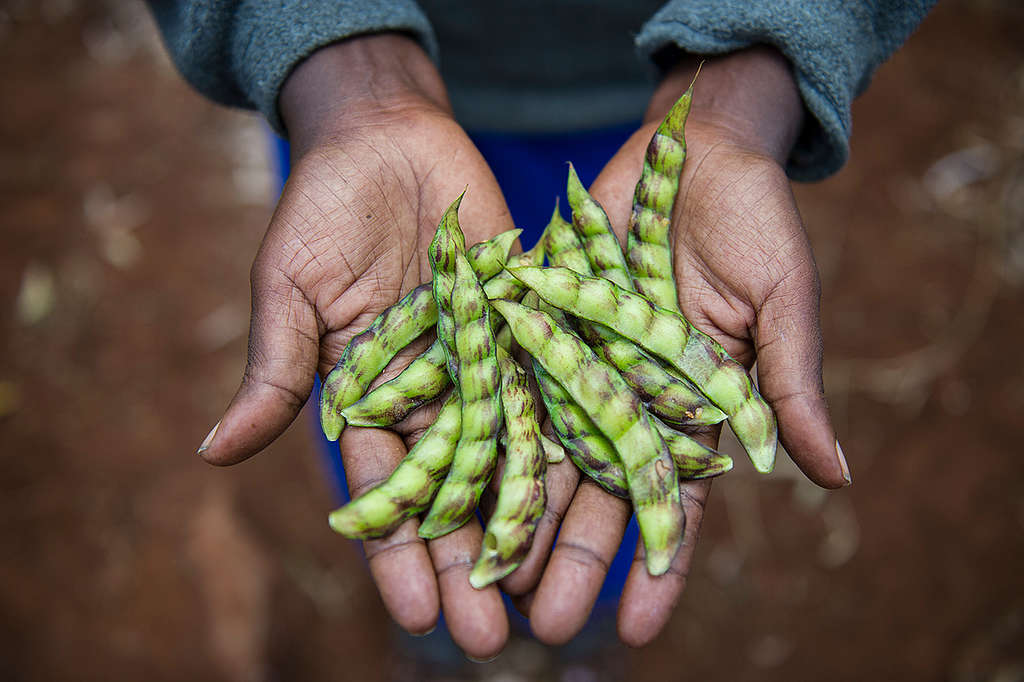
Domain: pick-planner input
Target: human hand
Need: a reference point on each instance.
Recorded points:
(746, 276)
(377, 159)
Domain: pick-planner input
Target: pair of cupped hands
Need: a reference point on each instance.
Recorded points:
(378, 157)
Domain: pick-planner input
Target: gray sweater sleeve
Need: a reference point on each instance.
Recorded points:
(834, 46)
(239, 52)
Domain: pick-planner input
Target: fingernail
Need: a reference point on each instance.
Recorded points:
(423, 634)
(842, 464)
(209, 439)
(481, 660)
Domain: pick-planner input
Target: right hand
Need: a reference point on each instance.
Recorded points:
(377, 158)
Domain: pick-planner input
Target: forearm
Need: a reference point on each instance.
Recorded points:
(833, 45)
(344, 83)
(239, 52)
(751, 95)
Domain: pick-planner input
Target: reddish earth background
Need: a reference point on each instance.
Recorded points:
(131, 211)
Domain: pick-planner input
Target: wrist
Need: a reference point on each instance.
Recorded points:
(363, 76)
(751, 95)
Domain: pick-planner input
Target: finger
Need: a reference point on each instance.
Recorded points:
(494, 485)
(587, 543)
(560, 482)
(523, 602)
(487, 504)
(399, 563)
(648, 601)
(278, 378)
(789, 358)
(475, 618)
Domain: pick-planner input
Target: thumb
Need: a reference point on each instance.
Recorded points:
(789, 356)
(279, 370)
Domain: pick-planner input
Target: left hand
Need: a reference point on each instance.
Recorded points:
(746, 276)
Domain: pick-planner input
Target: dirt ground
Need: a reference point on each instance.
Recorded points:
(131, 209)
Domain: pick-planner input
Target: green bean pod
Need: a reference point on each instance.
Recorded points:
(586, 446)
(589, 457)
(669, 336)
(490, 257)
(649, 238)
(594, 455)
(667, 396)
(553, 451)
(479, 383)
(410, 487)
(422, 381)
(503, 337)
(693, 459)
(427, 375)
(563, 246)
(504, 285)
(620, 416)
(599, 241)
(371, 350)
(725, 381)
(589, 450)
(521, 493)
(664, 394)
(447, 243)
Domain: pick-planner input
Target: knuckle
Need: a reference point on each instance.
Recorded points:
(457, 565)
(357, 489)
(389, 546)
(581, 554)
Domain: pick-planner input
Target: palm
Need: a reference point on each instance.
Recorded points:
(352, 227)
(738, 240)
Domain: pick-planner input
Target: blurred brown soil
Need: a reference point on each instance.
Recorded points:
(131, 212)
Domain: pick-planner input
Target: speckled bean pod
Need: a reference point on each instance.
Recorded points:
(370, 351)
(594, 455)
(620, 416)
(479, 384)
(521, 493)
(693, 459)
(586, 446)
(427, 376)
(563, 246)
(553, 450)
(667, 396)
(664, 394)
(489, 257)
(649, 238)
(411, 486)
(504, 285)
(669, 336)
(447, 244)
(599, 241)
(422, 381)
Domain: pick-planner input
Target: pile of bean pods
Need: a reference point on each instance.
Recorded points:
(621, 373)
